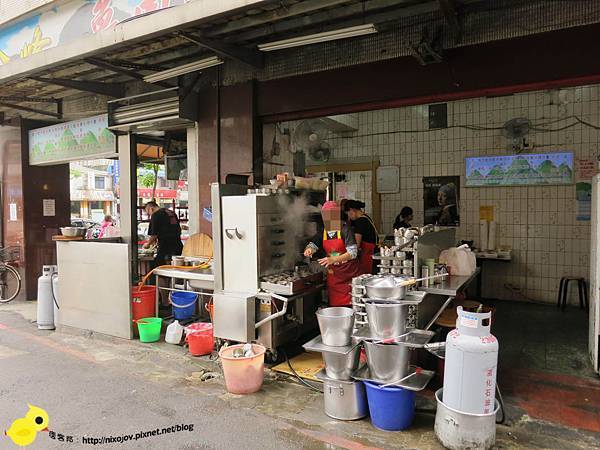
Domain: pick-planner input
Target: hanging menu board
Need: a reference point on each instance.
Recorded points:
(82, 139)
(520, 170)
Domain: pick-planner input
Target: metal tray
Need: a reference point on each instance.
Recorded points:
(316, 345)
(437, 348)
(293, 287)
(417, 382)
(321, 375)
(414, 337)
(406, 301)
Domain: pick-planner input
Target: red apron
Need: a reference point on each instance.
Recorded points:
(366, 257)
(339, 276)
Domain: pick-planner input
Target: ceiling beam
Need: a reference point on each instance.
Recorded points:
(57, 114)
(283, 12)
(115, 90)
(253, 58)
(451, 16)
(138, 66)
(374, 11)
(133, 74)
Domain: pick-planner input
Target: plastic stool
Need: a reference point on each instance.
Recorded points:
(563, 292)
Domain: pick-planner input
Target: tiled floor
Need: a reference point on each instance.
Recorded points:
(542, 337)
(544, 368)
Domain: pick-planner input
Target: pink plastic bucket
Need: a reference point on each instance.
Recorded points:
(243, 375)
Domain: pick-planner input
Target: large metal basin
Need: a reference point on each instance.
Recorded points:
(339, 366)
(387, 362)
(458, 430)
(336, 325)
(387, 287)
(387, 319)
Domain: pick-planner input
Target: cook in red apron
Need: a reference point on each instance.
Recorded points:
(339, 275)
(341, 261)
(365, 234)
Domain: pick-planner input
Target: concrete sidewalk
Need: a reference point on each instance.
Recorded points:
(94, 386)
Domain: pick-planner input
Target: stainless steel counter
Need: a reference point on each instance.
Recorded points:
(197, 278)
(452, 285)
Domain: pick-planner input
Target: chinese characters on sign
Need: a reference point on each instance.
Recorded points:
(81, 139)
(586, 169)
(70, 21)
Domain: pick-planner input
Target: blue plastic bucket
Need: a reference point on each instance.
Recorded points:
(184, 304)
(391, 408)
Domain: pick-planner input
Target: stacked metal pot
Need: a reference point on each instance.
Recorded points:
(345, 398)
(387, 340)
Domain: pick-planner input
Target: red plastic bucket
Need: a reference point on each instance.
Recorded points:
(199, 337)
(143, 302)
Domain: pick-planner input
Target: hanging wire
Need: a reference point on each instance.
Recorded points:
(540, 128)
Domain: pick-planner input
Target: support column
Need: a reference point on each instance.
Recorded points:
(193, 181)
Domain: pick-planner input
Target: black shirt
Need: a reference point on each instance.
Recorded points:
(365, 228)
(164, 224)
(399, 223)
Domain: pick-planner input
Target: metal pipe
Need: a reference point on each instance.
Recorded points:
(277, 314)
(218, 120)
(439, 313)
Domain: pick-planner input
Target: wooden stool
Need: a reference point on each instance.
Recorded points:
(563, 292)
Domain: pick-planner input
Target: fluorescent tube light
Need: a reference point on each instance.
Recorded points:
(342, 33)
(182, 70)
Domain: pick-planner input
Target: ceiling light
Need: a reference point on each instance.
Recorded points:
(343, 33)
(182, 70)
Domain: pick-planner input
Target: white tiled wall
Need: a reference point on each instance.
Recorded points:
(537, 222)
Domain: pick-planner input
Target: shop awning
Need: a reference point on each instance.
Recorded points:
(112, 60)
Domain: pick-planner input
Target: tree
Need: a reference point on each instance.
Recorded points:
(149, 179)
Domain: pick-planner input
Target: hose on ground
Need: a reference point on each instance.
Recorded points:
(300, 379)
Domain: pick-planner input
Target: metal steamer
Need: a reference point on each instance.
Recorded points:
(260, 293)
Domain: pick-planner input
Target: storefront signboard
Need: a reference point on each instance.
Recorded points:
(66, 23)
(520, 170)
(72, 141)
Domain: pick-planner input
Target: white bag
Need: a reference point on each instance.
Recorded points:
(460, 260)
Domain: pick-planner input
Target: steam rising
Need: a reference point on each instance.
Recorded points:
(297, 209)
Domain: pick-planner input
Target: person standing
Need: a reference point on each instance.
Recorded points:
(404, 219)
(108, 222)
(365, 234)
(165, 232)
(338, 242)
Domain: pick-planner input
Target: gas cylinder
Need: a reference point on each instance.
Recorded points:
(45, 302)
(55, 298)
(470, 364)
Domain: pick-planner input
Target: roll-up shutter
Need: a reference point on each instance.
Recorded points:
(160, 109)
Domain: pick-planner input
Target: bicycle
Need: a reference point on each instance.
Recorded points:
(10, 278)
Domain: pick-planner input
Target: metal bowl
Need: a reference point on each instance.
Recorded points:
(73, 231)
(387, 318)
(387, 362)
(387, 287)
(339, 366)
(336, 325)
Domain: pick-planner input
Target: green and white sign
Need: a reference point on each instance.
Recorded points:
(71, 141)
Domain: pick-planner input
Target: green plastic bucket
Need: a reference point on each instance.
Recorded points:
(149, 328)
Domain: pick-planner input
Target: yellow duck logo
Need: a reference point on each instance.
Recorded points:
(23, 431)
